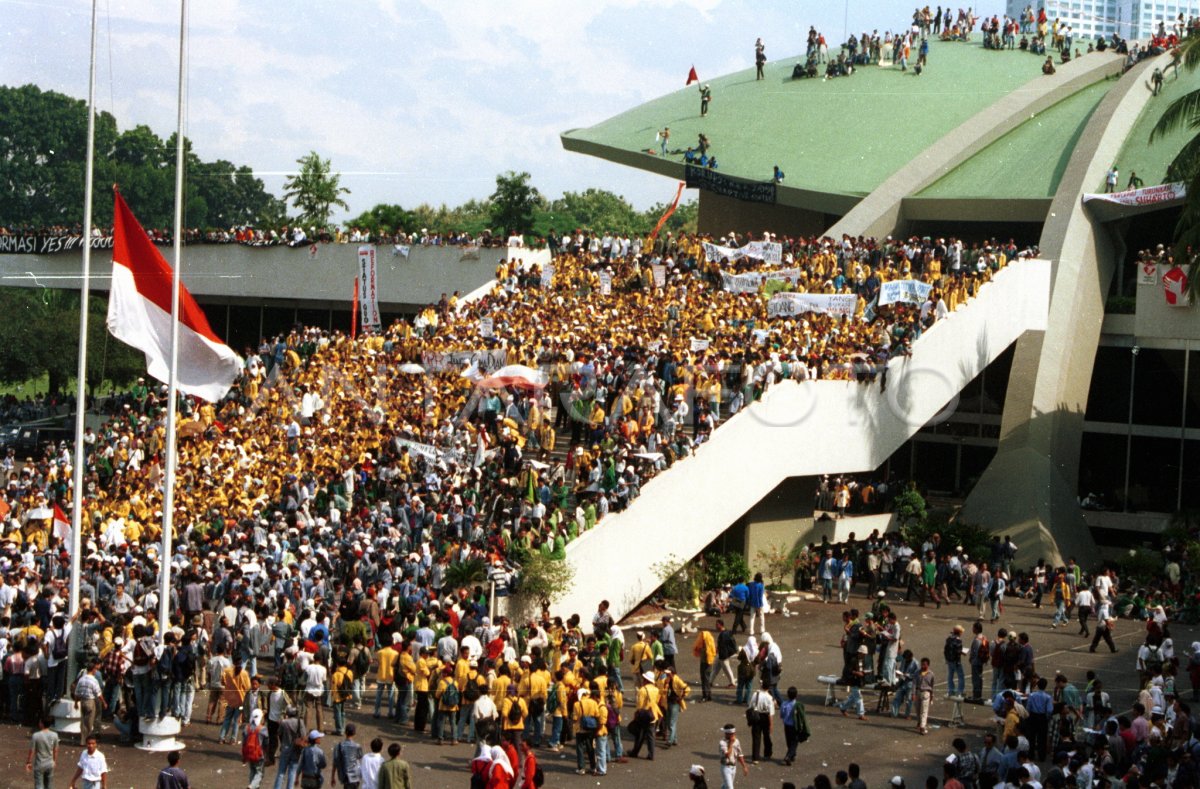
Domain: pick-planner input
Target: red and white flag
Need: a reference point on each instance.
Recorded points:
(692, 77)
(62, 525)
(139, 313)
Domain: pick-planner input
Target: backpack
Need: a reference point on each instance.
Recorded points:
(450, 696)
(143, 653)
(539, 778)
(362, 662)
(252, 751)
(611, 721)
(552, 698)
(471, 693)
(514, 711)
(61, 648)
(1154, 660)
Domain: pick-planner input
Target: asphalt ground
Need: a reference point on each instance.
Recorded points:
(809, 637)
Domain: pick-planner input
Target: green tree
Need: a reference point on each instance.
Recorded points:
(41, 335)
(383, 218)
(315, 190)
(600, 210)
(513, 202)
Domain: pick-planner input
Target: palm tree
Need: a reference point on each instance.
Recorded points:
(1184, 112)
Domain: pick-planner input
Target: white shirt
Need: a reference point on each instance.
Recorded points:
(369, 771)
(93, 765)
(314, 679)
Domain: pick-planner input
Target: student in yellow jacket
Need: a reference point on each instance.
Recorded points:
(646, 715)
(448, 701)
(705, 648)
(513, 712)
(405, 676)
(426, 669)
(587, 717)
(341, 689)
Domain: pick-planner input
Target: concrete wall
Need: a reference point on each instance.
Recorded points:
(1156, 319)
(279, 276)
(882, 212)
(1029, 490)
(799, 431)
(720, 215)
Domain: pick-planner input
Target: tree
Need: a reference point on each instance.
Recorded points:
(383, 218)
(315, 190)
(41, 337)
(541, 581)
(600, 210)
(1184, 112)
(513, 202)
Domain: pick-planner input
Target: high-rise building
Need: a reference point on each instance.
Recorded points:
(1134, 19)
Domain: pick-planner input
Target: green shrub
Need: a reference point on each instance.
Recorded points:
(725, 568)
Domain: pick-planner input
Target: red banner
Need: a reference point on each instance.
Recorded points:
(667, 214)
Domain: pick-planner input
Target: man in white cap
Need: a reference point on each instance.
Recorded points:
(731, 756)
(312, 759)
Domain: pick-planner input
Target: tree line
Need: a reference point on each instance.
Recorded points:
(43, 136)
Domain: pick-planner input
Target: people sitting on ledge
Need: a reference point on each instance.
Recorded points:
(807, 69)
(839, 67)
(1048, 66)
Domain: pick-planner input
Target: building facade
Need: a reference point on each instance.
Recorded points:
(1134, 19)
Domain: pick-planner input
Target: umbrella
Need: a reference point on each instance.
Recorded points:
(516, 375)
(411, 368)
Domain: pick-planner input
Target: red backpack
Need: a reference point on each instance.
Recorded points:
(252, 751)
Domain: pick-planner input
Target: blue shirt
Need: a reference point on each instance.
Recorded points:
(756, 591)
(1039, 703)
(740, 593)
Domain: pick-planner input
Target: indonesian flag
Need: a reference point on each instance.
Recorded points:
(139, 313)
(62, 525)
(692, 77)
(517, 375)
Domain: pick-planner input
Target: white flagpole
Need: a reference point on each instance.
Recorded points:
(81, 372)
(164, 600)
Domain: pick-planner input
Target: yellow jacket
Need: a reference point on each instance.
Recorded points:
(705, 647)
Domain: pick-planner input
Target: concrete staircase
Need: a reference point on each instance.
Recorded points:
(798, 430)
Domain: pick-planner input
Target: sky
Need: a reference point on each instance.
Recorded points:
(411, 101)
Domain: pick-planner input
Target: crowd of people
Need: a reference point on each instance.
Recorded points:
(323, 507)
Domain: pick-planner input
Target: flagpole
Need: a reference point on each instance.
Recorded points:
(81, 371)
(164, 596)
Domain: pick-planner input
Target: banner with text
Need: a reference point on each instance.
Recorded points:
(719, 183)
(48, 244)
(368, 289)
(488, 360)
(605, 283)
(660, 276)
(786, 304)
(751, 281)
(767, 251)
(909, 291)
(1150, 195)
(547, 275)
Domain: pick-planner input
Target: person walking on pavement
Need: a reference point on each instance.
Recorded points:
(667, 639)
(731, 756)
(925, 685)
(758, 604)
(705, 649)
(313, 762)
(43, 754)
(172, 776)
(760, 715)
(92, 768)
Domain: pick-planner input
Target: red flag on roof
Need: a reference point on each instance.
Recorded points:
(692, 77)
(139, 313)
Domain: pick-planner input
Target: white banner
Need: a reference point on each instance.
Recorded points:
(605, 283)
(1148, 273)
(1149, 195)
(442, 361)
(909, 291)
(486, 327)
(431, 453)
(786, 304)
(401, 249)
(767, 251)
(660, 276)
(699, 344)
(751, 281)
(547, 274)
(368, 286)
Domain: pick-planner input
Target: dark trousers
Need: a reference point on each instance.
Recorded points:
(705, 677)
(761, 739)
(272, 740)
(422, 714)
(643, 734)
(1037, 729)
(739, 620)
(1085, 611)
(1102, 632)
(792, 738)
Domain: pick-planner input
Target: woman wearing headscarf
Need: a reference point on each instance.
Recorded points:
(481, 765)
(253, 752)
(501, 774)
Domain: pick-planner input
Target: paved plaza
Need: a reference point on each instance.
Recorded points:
(883, 746)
